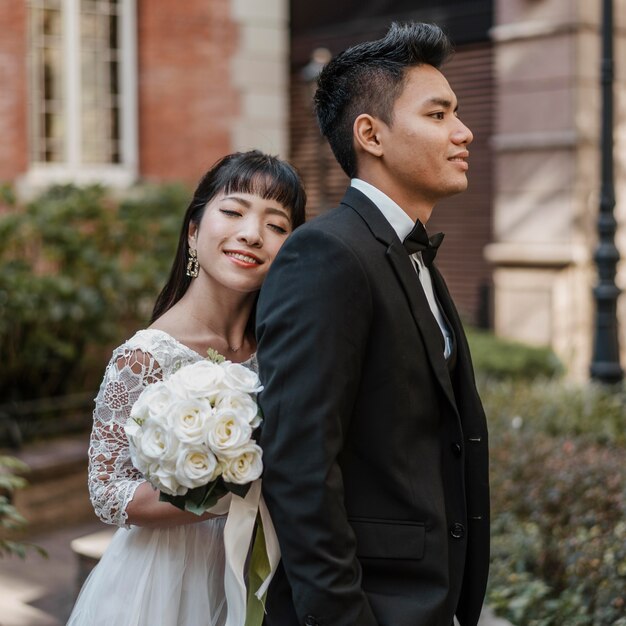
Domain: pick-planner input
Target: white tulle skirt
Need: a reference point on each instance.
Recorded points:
(157, 577)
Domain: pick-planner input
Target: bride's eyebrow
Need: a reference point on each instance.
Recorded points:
(272, 210)
(276, 211)
(240, 200)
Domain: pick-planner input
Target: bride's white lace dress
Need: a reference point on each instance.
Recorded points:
(147, 576)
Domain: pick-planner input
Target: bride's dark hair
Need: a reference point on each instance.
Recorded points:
(241, 172)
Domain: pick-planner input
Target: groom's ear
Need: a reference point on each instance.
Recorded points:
(366, 132)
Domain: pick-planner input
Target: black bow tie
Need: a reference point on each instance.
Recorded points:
(418, 241)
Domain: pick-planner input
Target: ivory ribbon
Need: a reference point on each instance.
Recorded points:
(238, 536)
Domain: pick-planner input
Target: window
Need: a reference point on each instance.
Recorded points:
(82, 101)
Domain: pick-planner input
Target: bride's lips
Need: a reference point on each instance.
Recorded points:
(243, 258)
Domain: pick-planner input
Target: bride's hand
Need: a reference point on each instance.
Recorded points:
(145, 509)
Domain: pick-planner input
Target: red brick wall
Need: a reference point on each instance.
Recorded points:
(187, 103)
(13, 77)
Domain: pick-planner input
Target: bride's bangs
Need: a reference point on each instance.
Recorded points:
(268, 178)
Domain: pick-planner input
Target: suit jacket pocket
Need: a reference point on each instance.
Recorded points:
(388, 539)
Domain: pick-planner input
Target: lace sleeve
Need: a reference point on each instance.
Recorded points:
(112, 477)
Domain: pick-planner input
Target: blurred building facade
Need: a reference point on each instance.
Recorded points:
(120, 90)
(546, 148)
(520, 242)
(124, 90)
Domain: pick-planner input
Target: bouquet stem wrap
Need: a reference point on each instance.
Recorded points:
(238, 535)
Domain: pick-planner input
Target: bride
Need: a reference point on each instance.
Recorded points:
(166, 566)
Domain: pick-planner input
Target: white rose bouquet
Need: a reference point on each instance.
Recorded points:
(191, 435)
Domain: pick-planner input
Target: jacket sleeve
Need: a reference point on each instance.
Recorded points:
(313, 317)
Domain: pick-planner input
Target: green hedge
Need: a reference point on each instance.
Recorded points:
(502, 359)
(78, 268)
(558, 480)
(558, 489)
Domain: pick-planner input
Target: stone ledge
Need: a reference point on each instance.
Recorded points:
(63, 456)
(89, 550)
(535, 255)
(56, 494)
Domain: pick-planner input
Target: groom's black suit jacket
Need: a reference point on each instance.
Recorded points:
(375, 448)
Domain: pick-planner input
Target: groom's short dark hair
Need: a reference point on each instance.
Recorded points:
(368, 78)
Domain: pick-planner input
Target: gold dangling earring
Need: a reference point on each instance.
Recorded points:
(192, 263)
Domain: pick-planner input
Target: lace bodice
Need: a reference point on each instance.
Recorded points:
(148, 356)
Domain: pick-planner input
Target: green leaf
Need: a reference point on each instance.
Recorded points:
(198, 500)
(19, 549)
(177, 501)
(13, 464)
(215, 356)
(214, 492)
(258, 570)
(10, 483)
(239, 490)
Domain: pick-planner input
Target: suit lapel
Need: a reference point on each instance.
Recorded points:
(420, 309)
(409, 281)
(449, 310)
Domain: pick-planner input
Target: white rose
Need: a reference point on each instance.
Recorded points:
(163, 477)
(244, 468)
(138, 460)
(157, 442)
(189, 420)
(140, 411)
(202, 379)
(241, 403)
(196, 466)
(240, 378)
(227, 432)
(134, 432)
(154, 402)
(132, 429)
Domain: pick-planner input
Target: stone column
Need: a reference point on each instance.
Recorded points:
(546, 153)
(260, 71)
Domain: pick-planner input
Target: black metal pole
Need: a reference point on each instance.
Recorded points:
(605, 364)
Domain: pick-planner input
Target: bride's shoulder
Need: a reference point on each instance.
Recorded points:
(153, 349)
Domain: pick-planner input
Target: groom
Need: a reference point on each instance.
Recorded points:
(375, 441)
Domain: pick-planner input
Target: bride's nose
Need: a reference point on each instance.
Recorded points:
(251, 235)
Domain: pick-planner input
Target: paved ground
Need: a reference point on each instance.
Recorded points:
(40, 592)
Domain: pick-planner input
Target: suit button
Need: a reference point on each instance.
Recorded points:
(310, 621)
(457, 531)
(456, 449)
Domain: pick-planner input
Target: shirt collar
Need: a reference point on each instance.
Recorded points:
(392, 212)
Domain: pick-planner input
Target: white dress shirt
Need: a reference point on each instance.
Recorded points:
(403, 225)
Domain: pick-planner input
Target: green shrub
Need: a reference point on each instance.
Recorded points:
(556, 408)
(11, 479)
(499, 358)
(558, 484)
(78, 268)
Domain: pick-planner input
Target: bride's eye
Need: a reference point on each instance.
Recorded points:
(279, 229)
(230, 213)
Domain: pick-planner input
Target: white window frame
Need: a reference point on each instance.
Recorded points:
(73, 170)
